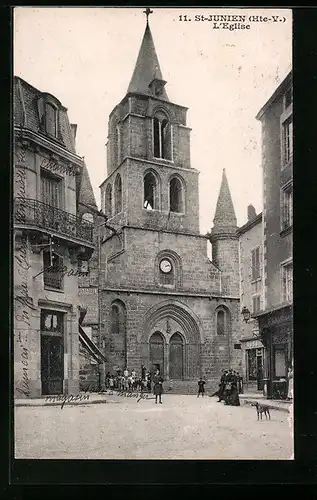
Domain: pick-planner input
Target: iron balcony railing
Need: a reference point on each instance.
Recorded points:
(42, 215)
(53, 279)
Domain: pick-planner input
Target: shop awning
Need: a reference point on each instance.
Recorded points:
(87, 343)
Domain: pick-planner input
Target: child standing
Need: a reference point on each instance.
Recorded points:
(201, 387)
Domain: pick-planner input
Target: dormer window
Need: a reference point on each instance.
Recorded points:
(48, 110)
(157, 86)
(51, 119)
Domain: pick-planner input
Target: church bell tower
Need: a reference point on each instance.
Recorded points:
(150, 181)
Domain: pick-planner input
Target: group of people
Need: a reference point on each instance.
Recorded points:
(230, 387)
(129, 380)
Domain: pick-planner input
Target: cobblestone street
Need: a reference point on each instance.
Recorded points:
(183, 427)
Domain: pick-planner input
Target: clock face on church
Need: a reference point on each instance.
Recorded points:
(165, 266)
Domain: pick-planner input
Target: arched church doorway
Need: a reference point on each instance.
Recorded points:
(176, 350)
(172, 340)
(157, 352)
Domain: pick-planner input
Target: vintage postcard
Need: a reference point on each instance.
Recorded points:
(153, 217)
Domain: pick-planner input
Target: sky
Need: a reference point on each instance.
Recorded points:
(85, 56)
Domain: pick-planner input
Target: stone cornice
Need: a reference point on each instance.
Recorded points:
(153, 163)
(223, 234)
(179, 293)
(40, 140)
(194, 235)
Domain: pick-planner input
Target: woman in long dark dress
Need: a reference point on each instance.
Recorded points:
(158, 386)
(233, 397)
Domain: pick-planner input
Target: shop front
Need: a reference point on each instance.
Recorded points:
(253, 364)
(276, 329)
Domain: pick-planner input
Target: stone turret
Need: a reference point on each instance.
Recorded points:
(224, 240)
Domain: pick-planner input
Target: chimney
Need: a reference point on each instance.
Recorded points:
(73, 127)
(251, 212)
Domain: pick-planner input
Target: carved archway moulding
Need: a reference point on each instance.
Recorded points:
(178, 312)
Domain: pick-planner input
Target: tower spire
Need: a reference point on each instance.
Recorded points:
(225, 214)
(147, 76)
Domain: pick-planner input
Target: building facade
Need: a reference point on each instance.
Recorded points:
(251, 297)
(276, 319)
(53, 241)
(163, 303)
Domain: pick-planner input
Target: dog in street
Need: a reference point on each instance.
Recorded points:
(260, 409)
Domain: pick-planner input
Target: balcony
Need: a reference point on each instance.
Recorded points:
(35, 214)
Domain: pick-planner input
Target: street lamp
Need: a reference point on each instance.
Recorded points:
(246, 314)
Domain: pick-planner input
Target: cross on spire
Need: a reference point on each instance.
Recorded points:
(147, 12)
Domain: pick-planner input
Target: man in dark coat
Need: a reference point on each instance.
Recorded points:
(158, 386)
(240, 383)
(222, 385)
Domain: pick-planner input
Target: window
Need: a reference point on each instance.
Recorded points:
(176, 196)
(287, 140)
(150, 192)
(118, 194)
(51, 321)
(287, 207)
(51, 189)
(118, 315)
(255, 258)
(256, 303)
(108, 201)
(51, 119)
(115, 319)
(220, 322)
(162, 137)
(287, 282)
(53, 270)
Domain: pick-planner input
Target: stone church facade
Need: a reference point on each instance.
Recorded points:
(163, 303)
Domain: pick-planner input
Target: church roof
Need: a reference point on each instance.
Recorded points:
(147, 67)
(225, 214)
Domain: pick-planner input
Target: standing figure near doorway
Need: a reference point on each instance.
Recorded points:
(201, 387)
(158, 386)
